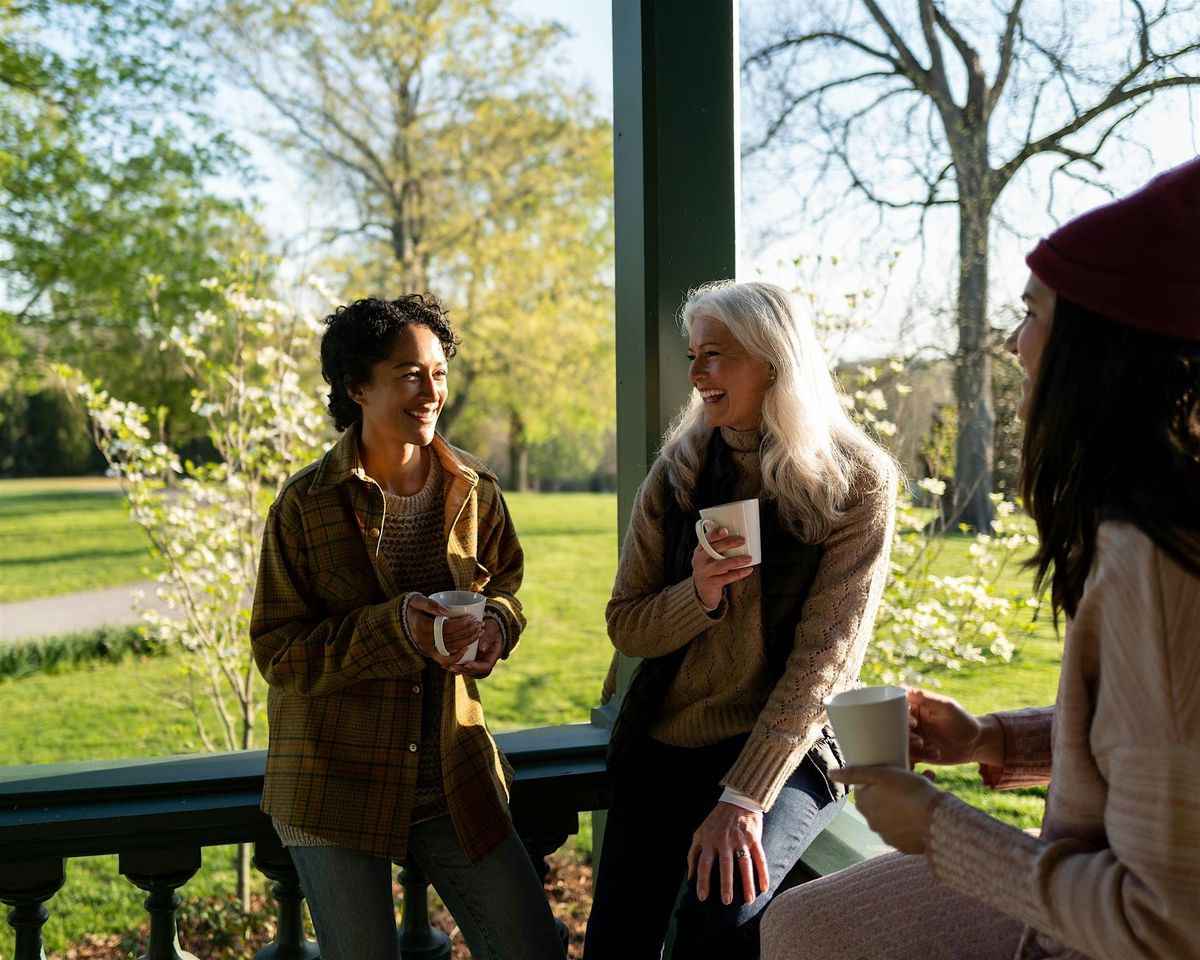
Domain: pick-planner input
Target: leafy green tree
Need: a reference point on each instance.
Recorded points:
(105, 158)
(455, 158)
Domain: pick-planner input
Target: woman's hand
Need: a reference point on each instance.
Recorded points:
(711, 576)
(731, 838)
(458, 633)
(941, 731)
(491, 646)
(894, 802)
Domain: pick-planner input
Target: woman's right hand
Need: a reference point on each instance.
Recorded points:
(710, 576)
(457, 633)
(941, 731)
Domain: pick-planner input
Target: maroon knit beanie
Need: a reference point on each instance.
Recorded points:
(1136, 260)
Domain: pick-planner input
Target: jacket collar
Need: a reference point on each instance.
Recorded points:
(341, 462)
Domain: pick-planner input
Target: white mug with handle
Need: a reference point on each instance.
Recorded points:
(460, 603)
(740, 518)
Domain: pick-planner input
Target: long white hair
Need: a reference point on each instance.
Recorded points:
(812, 453)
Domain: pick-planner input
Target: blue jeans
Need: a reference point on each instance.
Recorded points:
(660, 795)
(498, 903)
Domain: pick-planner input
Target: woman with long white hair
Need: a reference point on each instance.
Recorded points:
(719, 754)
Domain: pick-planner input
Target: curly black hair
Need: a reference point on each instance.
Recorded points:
(361, 334)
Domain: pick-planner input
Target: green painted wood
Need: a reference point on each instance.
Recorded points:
(91, 808)
(675, 67)
(846, 841)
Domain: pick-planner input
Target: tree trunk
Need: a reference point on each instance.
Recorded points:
(518, 454)
(972, 504)
(243, 876)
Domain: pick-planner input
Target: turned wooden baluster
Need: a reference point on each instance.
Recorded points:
(26, 886)
(419, 939)
(290, 943)
(160, 873)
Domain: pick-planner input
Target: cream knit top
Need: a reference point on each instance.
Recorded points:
(1115, 874)
(724, 687)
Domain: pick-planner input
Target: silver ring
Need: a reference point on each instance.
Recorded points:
(739, 853)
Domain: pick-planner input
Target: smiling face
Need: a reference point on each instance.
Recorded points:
(731, 382)
(1029, 339)
(404, 397)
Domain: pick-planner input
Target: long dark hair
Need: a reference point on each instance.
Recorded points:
(1113, 432)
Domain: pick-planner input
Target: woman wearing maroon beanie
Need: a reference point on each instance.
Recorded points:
(1110, 344)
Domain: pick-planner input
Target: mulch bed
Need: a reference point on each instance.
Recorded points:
(218, 930)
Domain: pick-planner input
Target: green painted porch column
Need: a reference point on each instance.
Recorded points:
(675, 105)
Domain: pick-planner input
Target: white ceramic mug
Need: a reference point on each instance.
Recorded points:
(460, 603)
(871, 724)
(740, 518)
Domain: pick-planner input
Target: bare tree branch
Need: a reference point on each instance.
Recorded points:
(767, 53)
(1115, 98)
(782, 117)
(939, 82)
(1006, 50)
(908, 62)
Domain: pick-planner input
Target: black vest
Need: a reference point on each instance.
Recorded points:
(786, 573)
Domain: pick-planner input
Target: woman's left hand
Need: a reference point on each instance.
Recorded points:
(894, 802)
(726, 832)
(491, 645)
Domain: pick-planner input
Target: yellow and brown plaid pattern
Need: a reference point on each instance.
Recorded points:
(344, 705)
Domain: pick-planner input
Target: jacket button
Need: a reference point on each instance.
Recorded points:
(412, 748)
(373, 533)
(416, 688)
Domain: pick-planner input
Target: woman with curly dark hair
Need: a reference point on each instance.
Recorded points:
(1110, 472)
(378, 749)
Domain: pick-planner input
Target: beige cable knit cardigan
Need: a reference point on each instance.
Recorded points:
(650, 618)
(1115, 874)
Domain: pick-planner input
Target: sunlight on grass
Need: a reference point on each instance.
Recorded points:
(65, 536)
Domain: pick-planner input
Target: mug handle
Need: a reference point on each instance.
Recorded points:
(701, 535)
(438, 642)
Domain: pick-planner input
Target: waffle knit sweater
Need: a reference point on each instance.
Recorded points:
(724, 688)
(414, 545)
(1116, 870)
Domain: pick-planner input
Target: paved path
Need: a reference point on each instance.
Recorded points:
(50, 616)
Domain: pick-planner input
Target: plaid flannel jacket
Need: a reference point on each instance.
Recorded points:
(344, 699)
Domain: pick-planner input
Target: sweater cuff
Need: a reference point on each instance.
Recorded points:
(404, 602)
(761, 770)
(1026, 750)
(493, 614)
(684, 615)
(983, 858)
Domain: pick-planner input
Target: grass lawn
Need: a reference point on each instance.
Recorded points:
(107, 710)
(67, 535)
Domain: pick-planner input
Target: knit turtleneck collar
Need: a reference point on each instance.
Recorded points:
(742, 441)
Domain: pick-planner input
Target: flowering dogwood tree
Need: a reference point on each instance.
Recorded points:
(204, 520)
(928, 621)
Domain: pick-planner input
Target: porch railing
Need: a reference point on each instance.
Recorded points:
(157, 814)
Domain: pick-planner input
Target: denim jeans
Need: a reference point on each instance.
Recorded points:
(498, 903)
(660, 795)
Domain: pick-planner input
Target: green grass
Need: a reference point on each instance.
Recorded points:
(1030, 679)
(109, 710)
(67, 535)
(554, 676)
